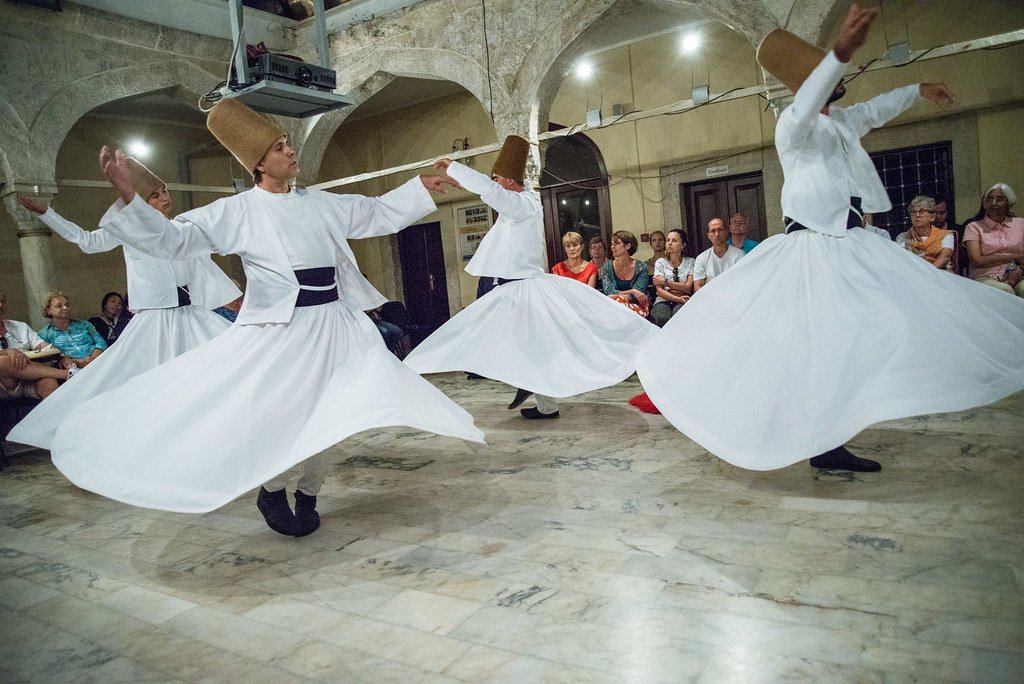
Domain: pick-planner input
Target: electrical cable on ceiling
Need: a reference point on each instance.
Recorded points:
(487, 53)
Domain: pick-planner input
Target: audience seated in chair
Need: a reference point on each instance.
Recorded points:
(575, 266)
(673, 278)
(21, 377)
(624, 278)
(935, 245)
(113, 318)
(995, 242)
(717, 258)
(78, 340)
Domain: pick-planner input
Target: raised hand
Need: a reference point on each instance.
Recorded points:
(34, 207)
(442, 164)
(854, 31)
(439, 183)
(116, 171)
(939, 94)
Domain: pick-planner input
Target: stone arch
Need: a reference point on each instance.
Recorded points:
(51, 124)
(375, 74)
(813, 20)
(560, 44)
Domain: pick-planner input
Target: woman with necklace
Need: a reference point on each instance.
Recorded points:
(574, 266)
(78, 340)
(932, 244)
(673, 278)
(113, 318)
(624, 278)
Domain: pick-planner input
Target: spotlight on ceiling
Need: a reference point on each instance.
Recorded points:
(691, 43)
(138, 148)
(584, 69)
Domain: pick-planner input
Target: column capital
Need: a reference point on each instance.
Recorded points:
(28, 222)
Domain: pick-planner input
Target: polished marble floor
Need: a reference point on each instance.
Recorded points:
(600, 547)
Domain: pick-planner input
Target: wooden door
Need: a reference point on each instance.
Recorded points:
(722, 198)
(423, 278)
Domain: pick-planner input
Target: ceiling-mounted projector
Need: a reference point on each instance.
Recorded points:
(280, 85)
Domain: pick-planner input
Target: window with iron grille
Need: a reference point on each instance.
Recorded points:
(911, 171)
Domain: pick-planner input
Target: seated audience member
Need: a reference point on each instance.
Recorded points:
(934, 245)
(231, 309)
(714, 260)
(673, 278)
(658, 247)
(624, 278)
(392, 334)
(78, 340)
(738, 233)
(574, 266)
(943, 220)
(995, 243)
(112, 319)
(598, 255)
(867, 225)
(20, 376)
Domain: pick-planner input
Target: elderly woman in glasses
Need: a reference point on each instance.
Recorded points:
(673, 278)
(995, 242)
(932, 244)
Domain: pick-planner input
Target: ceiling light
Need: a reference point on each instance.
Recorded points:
(584, 69)
(691, 42)
(137, 148)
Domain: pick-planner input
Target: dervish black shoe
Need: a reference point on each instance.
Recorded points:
(521, 396)
(275, 510)
(533, 413)
(840, 458)
(307, 520)
(474, 376)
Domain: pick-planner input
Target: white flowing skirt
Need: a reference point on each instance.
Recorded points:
(809, 339)
(229, 415)
(152, 337)
(548, 334)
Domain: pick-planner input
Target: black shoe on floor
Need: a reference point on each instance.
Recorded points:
(474, 376)
(840, 458)
(275, 510)
(521, 396)
(307, 520)
(533, 414)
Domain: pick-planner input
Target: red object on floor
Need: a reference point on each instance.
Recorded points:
(644, 403)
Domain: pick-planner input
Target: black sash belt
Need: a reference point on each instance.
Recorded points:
(502, 281)
(183, 296)
(322, 277)
(853, 219)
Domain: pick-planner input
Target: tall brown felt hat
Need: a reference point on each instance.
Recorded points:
(247, 134)
(143, 180)
(788, 57)
(511, 161)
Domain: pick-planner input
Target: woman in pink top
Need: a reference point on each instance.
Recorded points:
(574, 266)
(995, 243)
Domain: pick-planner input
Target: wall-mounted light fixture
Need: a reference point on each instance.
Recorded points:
(461, 145)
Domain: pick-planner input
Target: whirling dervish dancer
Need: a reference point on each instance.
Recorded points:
(301, 369)
(817, 333)
(171, 299)
(545, 334)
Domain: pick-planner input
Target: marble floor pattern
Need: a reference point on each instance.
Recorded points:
(601, 547)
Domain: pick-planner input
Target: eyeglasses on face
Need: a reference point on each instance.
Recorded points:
(921, 211)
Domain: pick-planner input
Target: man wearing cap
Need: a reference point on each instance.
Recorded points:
(827, 340)
(547, 335)
(172, 300)
(301, 369)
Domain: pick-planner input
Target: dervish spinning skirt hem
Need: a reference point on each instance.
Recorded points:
(151, 338)
(811, 338)
(547, 334)
(225, 417)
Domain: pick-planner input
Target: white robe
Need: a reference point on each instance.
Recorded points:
(281, 384)
(818, 334)
(159, 331)
(544, 333)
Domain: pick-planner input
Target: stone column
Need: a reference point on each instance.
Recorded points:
(36, 253)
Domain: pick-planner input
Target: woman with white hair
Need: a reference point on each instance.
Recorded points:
(995, 242)
(932, 244)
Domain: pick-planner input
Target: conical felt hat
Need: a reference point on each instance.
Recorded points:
(511, 161)
(246, 133)
(788, 57)
(143, 180)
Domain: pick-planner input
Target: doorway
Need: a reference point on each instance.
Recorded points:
(424, 282)
(722, 198)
